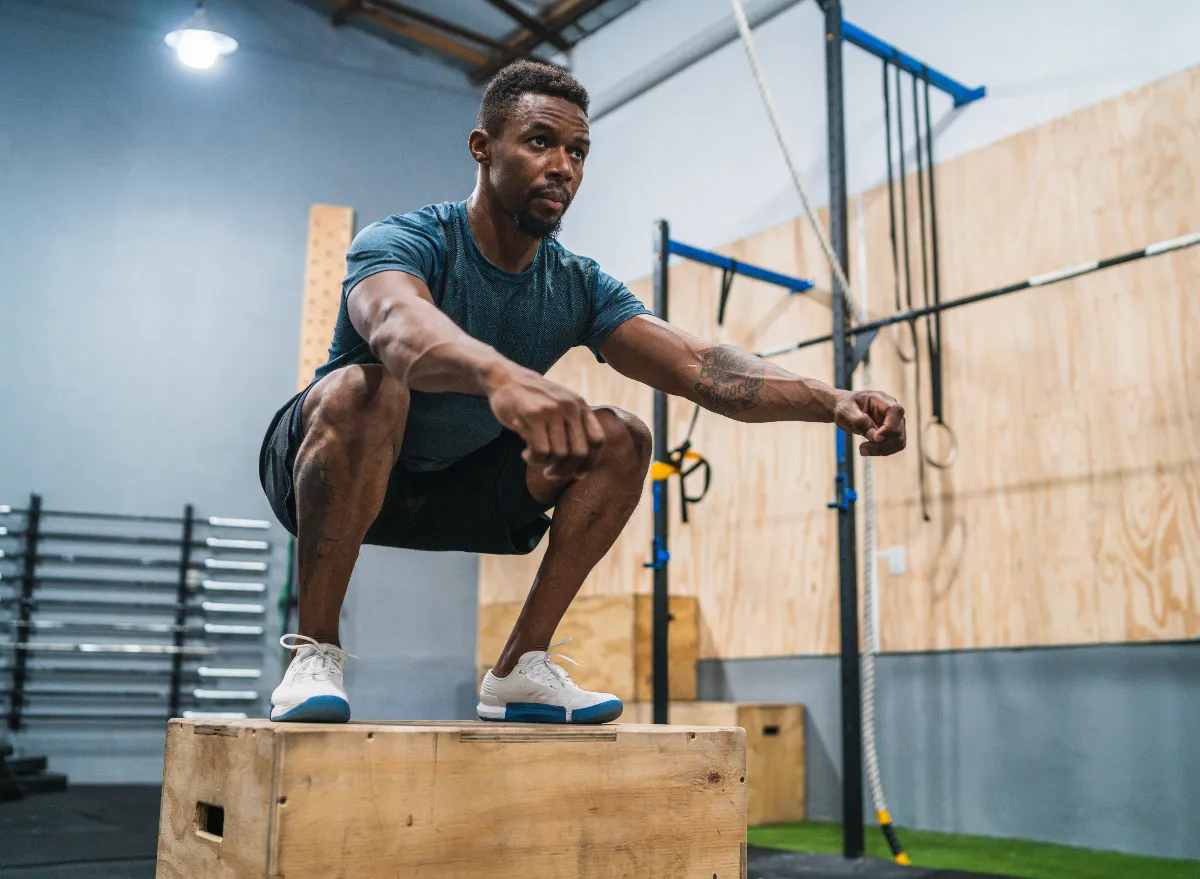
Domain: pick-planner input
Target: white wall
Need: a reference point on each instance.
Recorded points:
(699, 151)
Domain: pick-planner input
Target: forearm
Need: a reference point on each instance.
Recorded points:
(746, 388)
(427, 351)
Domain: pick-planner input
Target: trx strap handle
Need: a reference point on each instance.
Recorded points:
(677, 464)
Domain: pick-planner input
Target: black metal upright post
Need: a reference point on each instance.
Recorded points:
(852, 776)
(16, 702)
(660, 552)
(181, 597)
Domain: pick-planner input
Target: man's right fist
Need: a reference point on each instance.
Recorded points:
(560, 430)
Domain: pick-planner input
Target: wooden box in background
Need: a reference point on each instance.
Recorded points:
(453, 800)
(774, 751)
(612, 640)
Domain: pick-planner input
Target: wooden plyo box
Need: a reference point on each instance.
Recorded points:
(612, 640)
(451, 800)
(774, 751)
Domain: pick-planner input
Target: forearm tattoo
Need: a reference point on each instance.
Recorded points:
(730, 380)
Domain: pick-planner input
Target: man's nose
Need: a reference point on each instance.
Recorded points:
(559, 167)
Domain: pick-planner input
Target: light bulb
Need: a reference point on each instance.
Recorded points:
(198, 49)
(197, 43)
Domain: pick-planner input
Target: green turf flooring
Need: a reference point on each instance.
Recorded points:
(1011, 857)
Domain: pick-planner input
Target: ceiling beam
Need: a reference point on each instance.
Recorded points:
(531, 24)
(562, 15)
(410, 33)
(391, 7)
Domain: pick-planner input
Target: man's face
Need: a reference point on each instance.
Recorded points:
(535, 165)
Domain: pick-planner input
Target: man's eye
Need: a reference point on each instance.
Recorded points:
(539, 140)
(579, 154)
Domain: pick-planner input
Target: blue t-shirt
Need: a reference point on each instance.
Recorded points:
(531, 317)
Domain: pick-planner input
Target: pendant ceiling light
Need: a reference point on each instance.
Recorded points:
(197, 41)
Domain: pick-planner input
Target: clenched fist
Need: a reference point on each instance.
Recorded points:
(874, 416)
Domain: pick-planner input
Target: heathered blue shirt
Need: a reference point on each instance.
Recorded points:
(531, 317)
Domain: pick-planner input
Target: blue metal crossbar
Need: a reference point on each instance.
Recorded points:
(962, 94)
(796, 285)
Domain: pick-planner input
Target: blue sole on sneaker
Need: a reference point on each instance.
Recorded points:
(318, 709)
(536, 712)
(602, 713)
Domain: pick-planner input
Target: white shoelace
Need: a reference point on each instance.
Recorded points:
(319, 664)
(557, 671)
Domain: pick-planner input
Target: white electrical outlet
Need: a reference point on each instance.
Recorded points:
(897, 560)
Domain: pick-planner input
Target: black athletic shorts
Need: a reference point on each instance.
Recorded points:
(479, 504)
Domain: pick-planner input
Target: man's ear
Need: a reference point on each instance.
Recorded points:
(480, 144)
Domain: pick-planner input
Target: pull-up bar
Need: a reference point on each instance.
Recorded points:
(962, 94)
(871, 327)
(795, 285)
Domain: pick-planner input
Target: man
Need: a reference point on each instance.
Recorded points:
(432, 427)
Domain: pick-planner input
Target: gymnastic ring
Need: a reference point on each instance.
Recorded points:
(951, 456)
(905, 357)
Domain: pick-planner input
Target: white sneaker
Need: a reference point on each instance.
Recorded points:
(312, 689)
(538, 691)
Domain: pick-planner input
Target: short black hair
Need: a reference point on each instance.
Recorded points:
(522, 78)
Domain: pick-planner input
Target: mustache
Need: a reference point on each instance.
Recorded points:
(557, 193)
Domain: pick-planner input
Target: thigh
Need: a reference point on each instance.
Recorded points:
(357, 387)
(479, 504)
(276, 459)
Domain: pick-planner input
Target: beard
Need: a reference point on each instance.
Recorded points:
(535, 227)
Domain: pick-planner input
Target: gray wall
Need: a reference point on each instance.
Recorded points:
(1089, 746)
(152, 233)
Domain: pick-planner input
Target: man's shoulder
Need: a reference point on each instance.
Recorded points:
(560, 259)
(431, 218)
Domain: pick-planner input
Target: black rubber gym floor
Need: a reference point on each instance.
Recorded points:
(112, 832)
(106, 831)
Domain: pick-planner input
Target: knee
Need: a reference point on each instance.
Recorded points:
(356, 402)
(627, 440)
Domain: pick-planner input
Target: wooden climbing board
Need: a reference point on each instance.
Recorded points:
(330, 231)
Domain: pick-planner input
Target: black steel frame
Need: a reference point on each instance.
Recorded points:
(661, 553)
(533, 30)
(843, 370)
(181, 608)
(22, 625)
(16, 702)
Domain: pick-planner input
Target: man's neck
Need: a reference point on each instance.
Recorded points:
(497, 236)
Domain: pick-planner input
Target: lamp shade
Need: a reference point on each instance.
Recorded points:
(198, 43)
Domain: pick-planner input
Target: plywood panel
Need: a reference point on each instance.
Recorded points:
(330, 231)
(1072, 514)
(454, 800)
(775, 755)
(683, 642)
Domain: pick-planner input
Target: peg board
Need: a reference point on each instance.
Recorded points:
(330, 231)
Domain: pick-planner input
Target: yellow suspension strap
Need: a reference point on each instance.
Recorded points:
(683, 462)
(677, 463)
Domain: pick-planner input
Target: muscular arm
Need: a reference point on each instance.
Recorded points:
(730, 382)
(416, 342)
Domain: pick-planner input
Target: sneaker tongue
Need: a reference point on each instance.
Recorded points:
(533, 657)
(305, 652)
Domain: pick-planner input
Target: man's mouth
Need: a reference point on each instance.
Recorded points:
(553, 199)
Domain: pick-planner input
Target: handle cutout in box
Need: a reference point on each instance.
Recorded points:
(210, 821)
(772, 730)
